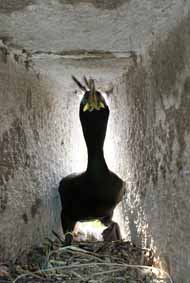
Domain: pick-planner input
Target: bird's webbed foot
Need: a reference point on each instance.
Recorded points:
(68, 238)
(68, 226)
(112, 233)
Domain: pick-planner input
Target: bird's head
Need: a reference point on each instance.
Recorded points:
(94, 113)
(92, 99)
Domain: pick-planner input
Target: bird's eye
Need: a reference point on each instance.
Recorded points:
(84, 100)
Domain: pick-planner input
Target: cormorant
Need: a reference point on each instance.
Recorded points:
(94, 193)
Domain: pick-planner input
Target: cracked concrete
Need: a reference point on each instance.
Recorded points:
(100, 4)
(15, 5)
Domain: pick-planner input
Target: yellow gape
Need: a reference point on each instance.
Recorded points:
(91, 105)
(94, 99)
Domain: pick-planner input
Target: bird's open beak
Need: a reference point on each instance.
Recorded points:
(94, 101)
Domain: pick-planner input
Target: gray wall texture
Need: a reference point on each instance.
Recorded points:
(28, 175)
(141, 49)
(157, 150)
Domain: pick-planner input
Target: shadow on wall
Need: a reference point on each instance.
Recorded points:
(158, 146)
(8, 7)
(18, 5)
(100, 4)
(156, 209)
(170, 83)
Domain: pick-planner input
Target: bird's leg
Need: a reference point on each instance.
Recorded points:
(112, 233)
(68, 226)
(68, 238)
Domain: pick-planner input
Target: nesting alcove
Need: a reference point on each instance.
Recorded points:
(42, 139)
(147, 142)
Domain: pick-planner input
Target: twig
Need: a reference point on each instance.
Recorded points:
(79, 250)
(59, 262)
(58, 237)
(72, 266)
(108, 271)
(29, 273)
(92, 255)
(78, 275)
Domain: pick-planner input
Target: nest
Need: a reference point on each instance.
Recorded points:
(92, 262)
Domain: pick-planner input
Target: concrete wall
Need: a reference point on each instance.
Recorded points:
(31, 160)
(158, 152)
(141, 50)
(41, 141)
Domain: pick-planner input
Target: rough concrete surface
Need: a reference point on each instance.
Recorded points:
(28, 176)
(140, 49)
(158, 153)
(59, 25)
(40, 140)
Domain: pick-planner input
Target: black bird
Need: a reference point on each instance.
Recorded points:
(94, 193)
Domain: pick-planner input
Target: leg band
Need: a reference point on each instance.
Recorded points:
(68, 233)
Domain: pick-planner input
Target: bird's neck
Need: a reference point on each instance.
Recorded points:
(96, 162)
